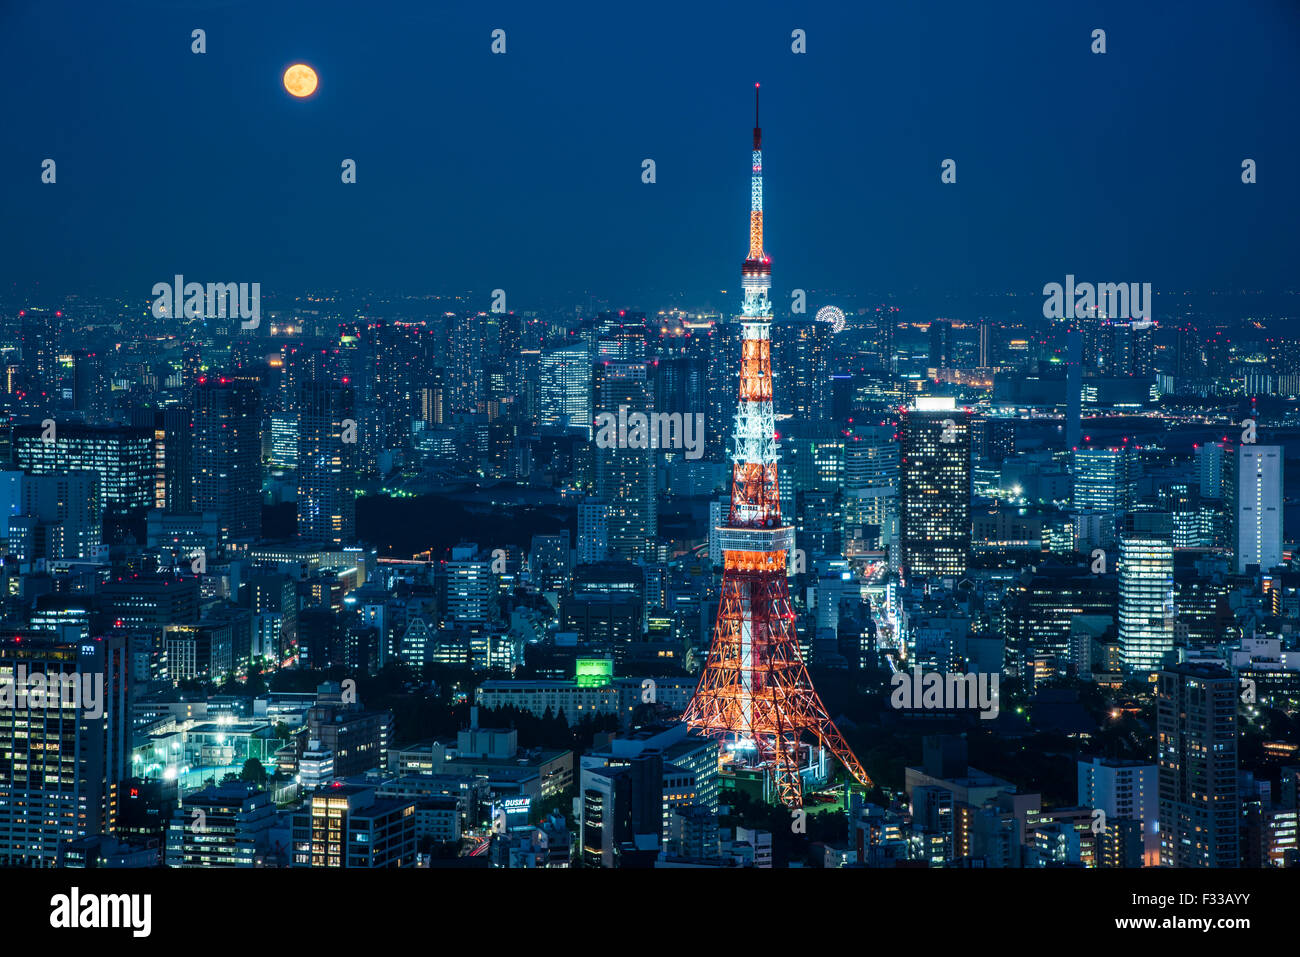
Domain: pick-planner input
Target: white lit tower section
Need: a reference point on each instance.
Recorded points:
(755, 454)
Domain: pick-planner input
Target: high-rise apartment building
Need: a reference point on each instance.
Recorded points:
(625, 475)
(227, 455)
(1196, 749)
(326, 471)
(801, 349)
(1124, 791)
(593, 532)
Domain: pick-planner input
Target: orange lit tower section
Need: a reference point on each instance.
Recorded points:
(755, 695)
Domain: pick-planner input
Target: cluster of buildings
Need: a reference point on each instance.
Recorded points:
(1063, 506)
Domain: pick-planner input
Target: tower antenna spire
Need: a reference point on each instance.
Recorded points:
(758, 130)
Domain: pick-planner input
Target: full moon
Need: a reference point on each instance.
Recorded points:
(300, 80)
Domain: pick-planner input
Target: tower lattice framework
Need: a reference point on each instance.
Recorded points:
(755, 695)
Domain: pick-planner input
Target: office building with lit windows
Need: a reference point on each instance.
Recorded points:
(934, 488)
(63, 755)
(347, 825)
(593, 533)
(224, 825)
(471, 585)
(871, 479)
(122, 457)
(564, 387)
(284, 440)
(1259, 507)
(1103, 486)
(1146, 590)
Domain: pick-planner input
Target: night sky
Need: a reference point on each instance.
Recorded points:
(523, 171)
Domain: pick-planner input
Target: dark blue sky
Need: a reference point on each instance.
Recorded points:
(522, 171)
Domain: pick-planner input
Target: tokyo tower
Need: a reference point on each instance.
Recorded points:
(755, 695)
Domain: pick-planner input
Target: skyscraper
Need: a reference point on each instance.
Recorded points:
(934, 499)
(326, 501)
(173, 452)
(227, 455)
(625, 475)
(1259, 506)
(564, 387)
(1196, 748)
(548, 561)
(940, 344)
(802, 350)
(871, 481)
(593, 532)
(1103, 479)
(724, 343)
(122, 457)
(814, 471)
(1209, 469)
(1146, 590)
(467, 344)
(63, 750)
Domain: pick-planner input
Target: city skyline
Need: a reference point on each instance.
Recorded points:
(997, 571)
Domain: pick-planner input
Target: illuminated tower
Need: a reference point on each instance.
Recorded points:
(755, 695)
